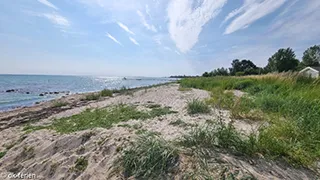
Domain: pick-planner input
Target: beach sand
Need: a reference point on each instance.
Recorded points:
(51, 155)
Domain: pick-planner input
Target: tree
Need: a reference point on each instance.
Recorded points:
(283, 60)
(246, 67)
(311, 57)
(205, 74)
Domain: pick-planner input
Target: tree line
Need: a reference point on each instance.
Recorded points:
(283, 60)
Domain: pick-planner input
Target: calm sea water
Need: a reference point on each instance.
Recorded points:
(29, 87)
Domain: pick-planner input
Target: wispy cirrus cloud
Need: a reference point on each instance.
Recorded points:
(113, 38)
(56, 19)
(134, 41)
(298, 24)
(252, 10)
(145, 23)
(186, 22)
(124, 27)
(49, 4)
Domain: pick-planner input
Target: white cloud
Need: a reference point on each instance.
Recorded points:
(56, 19)
(134, 41)
(185, 21)
(167, 48)
(113, 38)
(124, 27)
(177, 52)
(49, 4)
(144, 22)
(252, 10)
(298, 24)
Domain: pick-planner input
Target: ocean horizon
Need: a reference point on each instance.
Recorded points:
(18, 90)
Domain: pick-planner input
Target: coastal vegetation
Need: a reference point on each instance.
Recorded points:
(104, 118)
(150, 157)
(287, 102)
(282, 61)
(195, 106)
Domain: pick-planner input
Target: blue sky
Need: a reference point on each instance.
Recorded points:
(149, 37)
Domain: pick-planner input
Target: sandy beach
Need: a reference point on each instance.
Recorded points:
(52, 155)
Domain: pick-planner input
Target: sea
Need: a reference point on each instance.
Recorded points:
(26, 90)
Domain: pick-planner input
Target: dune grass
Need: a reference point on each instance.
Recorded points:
(196, 106)
(150, 157)
(3, 153)
(105, 117)
(57, 104)
(106, 93)
(288, 102)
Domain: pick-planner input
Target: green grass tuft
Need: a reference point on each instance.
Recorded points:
(92, 97)
(106, 93)
(2, 154)
(80, 164)
(57, 104)
(149, 158)
(197, 107)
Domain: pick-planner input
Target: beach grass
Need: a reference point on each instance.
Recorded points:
(80, 164)
(150, 157)
(288, 102)
(92, 97)
(106, 93)
(58, 104)
(3, 153)
(196, 106)
(105, 117)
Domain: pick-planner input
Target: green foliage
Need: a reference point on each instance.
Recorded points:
(29, 128)
(92, 97)
(106, 92)
(149, 158)
(57, 104)
(197, 107)
(220, 135)
(81, 164)
(243, 67)
(3, 153)
(217, 72)
(104, 118)
(283, 60)
(311, 57)
(290, 104)
(184, 89)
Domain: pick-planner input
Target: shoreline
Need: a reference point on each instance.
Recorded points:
(75, 95)
(46, 109)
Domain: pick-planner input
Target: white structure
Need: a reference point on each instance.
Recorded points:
(310, 72)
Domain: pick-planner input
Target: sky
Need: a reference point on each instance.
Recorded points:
(149, 37)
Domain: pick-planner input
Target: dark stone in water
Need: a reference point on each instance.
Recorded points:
(27, 92)
(41, 94)
(37, 102)
(50, 92)
(10, 90)
(56, 92)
